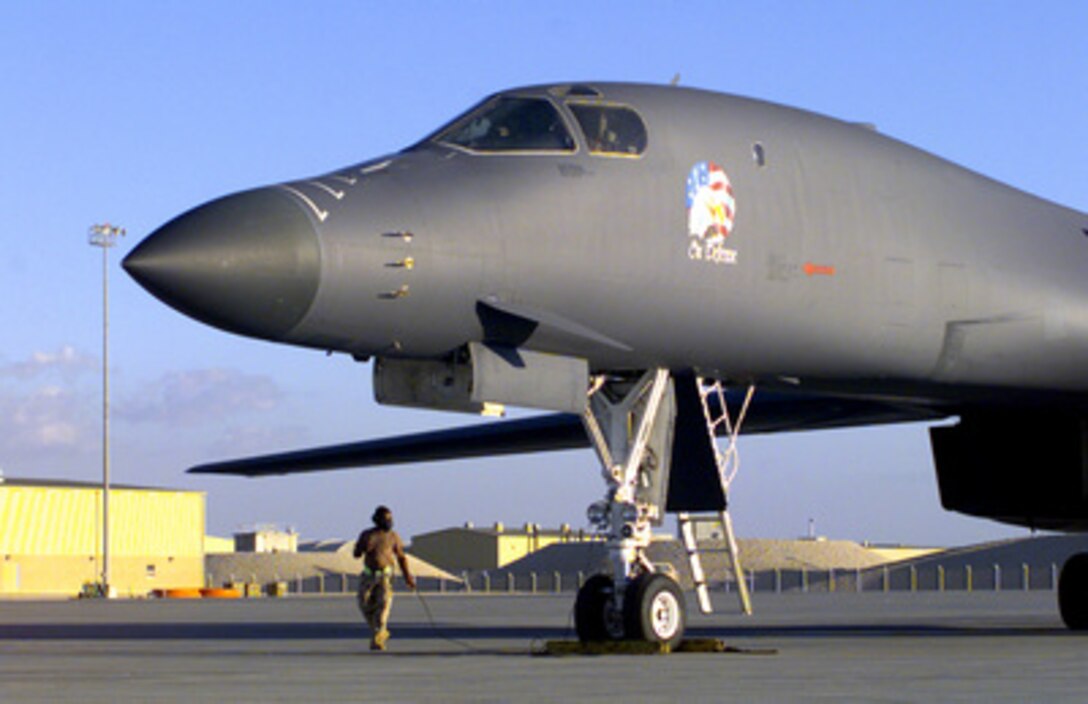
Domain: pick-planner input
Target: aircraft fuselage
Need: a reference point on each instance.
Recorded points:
(846, 255)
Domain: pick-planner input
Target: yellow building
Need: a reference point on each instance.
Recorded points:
(470, 548)
(215, 545)
(51, 538)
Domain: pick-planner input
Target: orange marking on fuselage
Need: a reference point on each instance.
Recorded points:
(811, 269)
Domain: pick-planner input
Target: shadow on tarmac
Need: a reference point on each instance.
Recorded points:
(261, 631)
(423, 631)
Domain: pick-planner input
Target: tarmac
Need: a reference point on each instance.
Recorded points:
(927, 646)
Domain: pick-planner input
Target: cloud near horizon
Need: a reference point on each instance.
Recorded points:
(48, 419)
(195, 397)
(68, 362)
(50, 408)
(45, 407)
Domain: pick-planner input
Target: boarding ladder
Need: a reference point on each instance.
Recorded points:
(716, 413)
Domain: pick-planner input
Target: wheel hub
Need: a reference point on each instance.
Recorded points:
(664, 615)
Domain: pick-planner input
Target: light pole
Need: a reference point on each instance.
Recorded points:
(105, 236)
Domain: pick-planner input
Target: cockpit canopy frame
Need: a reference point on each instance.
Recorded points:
(511, 124)
(525, 124)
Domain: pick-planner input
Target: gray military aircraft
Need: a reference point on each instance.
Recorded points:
(641, 259)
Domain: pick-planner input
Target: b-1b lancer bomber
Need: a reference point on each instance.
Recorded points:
(665, 269)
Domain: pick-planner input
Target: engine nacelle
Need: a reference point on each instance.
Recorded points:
(484, 378)
(1026, 469)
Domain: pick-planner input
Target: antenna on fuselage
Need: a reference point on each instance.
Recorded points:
(675, 79)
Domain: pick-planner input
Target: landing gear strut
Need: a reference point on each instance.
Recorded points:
(632, 423)
(629, 421)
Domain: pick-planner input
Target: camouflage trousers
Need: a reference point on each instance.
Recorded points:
(375, 599)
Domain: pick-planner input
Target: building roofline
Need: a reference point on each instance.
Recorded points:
(70, 484)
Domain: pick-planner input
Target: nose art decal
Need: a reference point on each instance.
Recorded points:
(711, 212)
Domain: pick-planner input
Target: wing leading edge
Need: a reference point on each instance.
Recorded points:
(770, 413)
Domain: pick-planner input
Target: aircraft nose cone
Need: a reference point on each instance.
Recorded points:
(248, 263)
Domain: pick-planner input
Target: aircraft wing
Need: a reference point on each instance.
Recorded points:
(771, 412)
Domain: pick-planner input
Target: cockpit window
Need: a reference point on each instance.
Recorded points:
(611, 130)
(511, 124)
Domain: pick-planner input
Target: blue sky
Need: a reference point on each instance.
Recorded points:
(133, 112)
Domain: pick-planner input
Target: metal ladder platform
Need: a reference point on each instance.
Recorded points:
(728, 463)
(686, 523)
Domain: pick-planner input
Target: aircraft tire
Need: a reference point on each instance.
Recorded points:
(595, 619)
(653, 610)
(1073, 592)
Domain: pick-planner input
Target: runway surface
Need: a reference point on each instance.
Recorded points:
(1007, 646)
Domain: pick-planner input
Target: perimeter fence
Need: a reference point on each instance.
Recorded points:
(891, 578)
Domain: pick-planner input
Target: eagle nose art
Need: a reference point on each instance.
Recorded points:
(248, 263)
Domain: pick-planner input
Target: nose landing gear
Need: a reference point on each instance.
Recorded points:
(632, 423)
